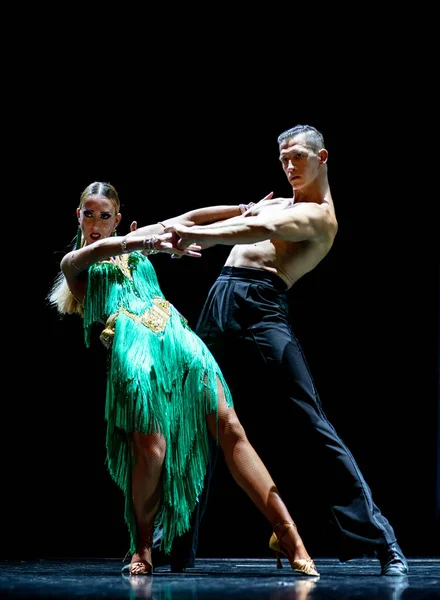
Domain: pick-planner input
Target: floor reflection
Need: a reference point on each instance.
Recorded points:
(217, 579)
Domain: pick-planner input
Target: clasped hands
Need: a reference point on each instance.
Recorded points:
(183, 236)
(168, 243)
(177, 239)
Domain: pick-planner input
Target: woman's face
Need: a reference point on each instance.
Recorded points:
(97, 218)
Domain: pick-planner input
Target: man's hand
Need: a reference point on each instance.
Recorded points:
(265, 203)
(251, 205)
(182, 238)
(167, 243)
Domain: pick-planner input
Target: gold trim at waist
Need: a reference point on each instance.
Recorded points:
(155, 318)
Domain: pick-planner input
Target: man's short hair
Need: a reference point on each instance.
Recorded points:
(314, 137)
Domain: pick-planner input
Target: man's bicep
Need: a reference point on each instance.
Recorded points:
(299, 223)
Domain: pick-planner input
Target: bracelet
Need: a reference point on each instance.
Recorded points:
(244, 207)
(149, 244)
(124, 245)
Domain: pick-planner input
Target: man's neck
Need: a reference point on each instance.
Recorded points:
(318, 191)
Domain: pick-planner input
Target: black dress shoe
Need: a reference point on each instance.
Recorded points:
(182, 555)
(392, 561)
(177, 564)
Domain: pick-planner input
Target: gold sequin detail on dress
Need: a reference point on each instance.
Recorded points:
(122, 263)
(155, 318)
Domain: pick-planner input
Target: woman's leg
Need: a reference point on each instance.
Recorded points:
(149, 453)
(252, 476)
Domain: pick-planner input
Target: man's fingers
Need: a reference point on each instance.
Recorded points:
(133, 226)
(187, 252)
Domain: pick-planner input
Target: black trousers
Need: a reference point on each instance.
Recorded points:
(245, 323)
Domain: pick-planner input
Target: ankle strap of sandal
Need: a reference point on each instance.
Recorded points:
(286, 524)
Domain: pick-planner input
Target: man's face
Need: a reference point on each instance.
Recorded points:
(300, 161)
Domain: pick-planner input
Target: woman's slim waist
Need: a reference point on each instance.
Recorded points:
(154, 318)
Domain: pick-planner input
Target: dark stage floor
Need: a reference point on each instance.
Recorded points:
(244, 578)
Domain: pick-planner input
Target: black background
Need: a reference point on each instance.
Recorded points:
(174, 126)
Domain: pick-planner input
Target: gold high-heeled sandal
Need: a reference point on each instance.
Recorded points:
(303, 566)
(140, 567)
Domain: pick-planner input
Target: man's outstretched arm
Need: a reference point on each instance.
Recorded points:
(300, 222)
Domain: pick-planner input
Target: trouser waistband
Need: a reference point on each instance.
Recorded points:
(256, 275)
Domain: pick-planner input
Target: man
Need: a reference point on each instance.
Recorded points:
(245, 323)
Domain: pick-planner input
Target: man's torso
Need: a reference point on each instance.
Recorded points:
(289, 260)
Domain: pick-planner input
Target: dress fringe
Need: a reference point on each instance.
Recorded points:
(159, 381)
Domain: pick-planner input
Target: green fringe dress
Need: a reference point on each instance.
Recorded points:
(161, 378)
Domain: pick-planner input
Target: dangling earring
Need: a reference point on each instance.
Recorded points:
(78, 240)
(115, 233)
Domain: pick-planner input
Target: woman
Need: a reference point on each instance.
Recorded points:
(165, 392)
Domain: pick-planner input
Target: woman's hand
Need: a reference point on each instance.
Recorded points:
(182, 238)
(167, 243)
